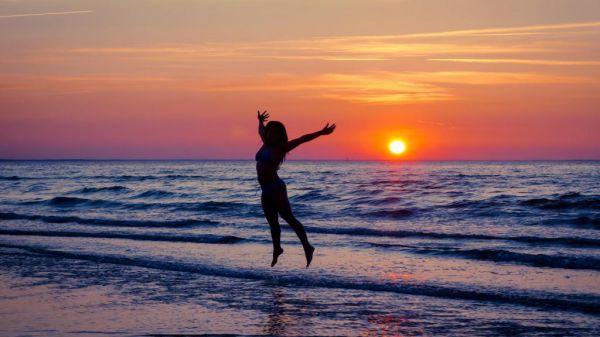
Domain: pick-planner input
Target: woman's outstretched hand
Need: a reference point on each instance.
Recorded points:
(262, 116)
(328, 129)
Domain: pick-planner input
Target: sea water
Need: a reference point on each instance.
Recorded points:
(402, 249)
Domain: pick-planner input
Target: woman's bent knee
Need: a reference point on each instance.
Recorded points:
(288, 217)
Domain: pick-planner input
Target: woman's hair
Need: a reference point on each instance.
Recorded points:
(283, 137)
(281, 128)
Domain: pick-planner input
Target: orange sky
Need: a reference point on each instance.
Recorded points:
(183, 79)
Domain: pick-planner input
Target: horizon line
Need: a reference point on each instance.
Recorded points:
(299, 159)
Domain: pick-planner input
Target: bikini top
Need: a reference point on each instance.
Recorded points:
(265, 154)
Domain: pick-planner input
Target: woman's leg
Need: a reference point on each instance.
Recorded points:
(273, 220)
(285, 210)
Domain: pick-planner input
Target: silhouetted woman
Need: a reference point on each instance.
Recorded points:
(274, 197)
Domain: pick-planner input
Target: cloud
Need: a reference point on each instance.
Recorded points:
(393, 69)
(522, 30)
(379, 87)
(318, 49)
(520, 61)
(365, 88)
(360, 48)
(44, 14)
(382, 87)
(492, 78)
(438, 46)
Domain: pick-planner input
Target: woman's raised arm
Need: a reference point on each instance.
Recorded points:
(292, 144)
(262, 118)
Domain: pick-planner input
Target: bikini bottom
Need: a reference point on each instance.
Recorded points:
(272, 186)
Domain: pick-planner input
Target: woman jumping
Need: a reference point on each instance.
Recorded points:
(274, 197)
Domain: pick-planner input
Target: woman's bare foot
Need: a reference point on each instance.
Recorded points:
(309, 255)
(276, 253)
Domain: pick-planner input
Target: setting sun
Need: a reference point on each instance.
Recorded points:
(397, 147)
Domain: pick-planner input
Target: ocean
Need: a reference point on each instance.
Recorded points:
(134, 248)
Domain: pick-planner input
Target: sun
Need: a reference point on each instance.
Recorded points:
(397, 147)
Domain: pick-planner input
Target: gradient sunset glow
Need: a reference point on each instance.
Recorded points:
(183, 79)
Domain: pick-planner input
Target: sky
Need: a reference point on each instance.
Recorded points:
(183, 79)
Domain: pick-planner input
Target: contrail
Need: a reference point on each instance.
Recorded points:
(42, 14)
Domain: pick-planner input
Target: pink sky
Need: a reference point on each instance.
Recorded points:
(183, 79)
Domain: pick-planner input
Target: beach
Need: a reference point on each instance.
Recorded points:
(457, 248)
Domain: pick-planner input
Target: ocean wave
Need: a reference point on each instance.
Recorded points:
(391, 213)
(561, 241)
(312, 195)
(362, 231)
(64, 201)
(571, 200)
(250, 209)
(202, 238)
(123, 178)
(184, 176)
(37, 187)
(11, 178)
(70, 202)
(587, 221)
(375, 201)
(127, 178)
(587, 304)
(369, 207)
(154, 194)
(107, 222)
(492, 202)
(536, 260)
(513, 205)
(119, 178)
(582, 221)
(116, 188)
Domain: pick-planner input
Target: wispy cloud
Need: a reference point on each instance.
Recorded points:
(393, 69)
(383, 87)
(522, 30)
(492, 78)
(318, 49)
(44, 14)
(377, 87)
(521, 61)
(360, 48)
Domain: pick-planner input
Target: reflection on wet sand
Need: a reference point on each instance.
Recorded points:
(277, 320)
(287, 314)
